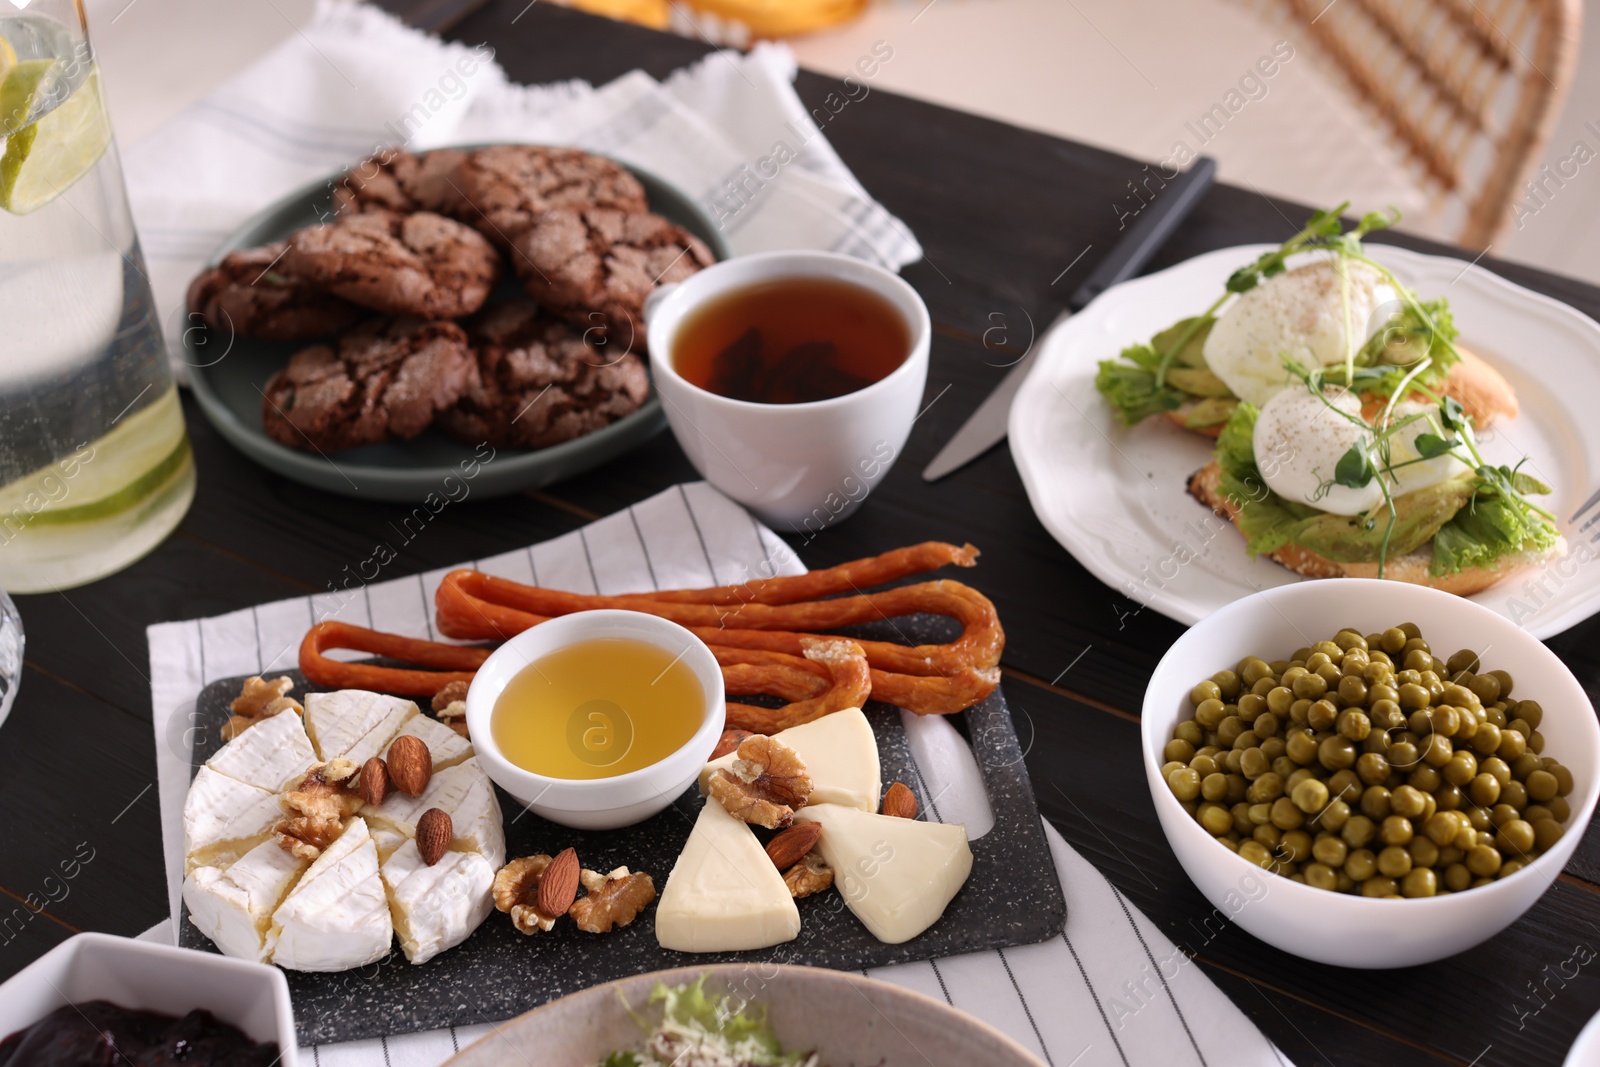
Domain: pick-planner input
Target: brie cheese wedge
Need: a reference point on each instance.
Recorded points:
(269, 754)
(841, 758)
(724, 894)
(353, 724)
(223, 818)
(337, 917)
(896, 875)
(234, 907)
(436, 907)
(447, 747)
(465, 793)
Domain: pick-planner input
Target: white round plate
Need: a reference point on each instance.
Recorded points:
(1116, 498)
(1585, 1051)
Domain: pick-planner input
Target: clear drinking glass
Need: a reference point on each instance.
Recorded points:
(94, 462)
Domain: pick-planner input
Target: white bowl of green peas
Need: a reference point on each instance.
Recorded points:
(1368, 773)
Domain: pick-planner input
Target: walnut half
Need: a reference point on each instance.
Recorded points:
(315, 808)
(450, 704)
(259, 699)
(767, 782)
(613, 900)
(810, 875)
(516, 892)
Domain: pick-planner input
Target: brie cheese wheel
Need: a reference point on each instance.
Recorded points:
(465, 793)
(353, 724)
(269, 754)
(337, 916)
(841, 758)
(436, 907)
(234, 907)
(896, 875)
(724, 894)
(255, 900)
(223, 818)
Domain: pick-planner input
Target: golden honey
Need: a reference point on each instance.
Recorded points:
(597, 709)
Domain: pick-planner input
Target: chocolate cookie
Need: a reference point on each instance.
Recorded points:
(580, 263)
(398, 181)
(248, 294)
(505, 188)
(541, 381)
(422, 264)
(384, 380)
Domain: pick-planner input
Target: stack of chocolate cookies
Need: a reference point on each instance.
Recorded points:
(396, 289)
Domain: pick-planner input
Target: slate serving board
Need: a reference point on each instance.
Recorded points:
(1012, 898)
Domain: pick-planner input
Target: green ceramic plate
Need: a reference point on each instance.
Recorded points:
(228, 387)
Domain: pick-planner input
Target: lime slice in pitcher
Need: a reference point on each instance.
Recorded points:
(41, 161)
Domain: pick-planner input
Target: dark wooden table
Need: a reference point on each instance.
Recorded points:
(1002, 212)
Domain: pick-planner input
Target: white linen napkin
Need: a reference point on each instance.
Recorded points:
(356, 80)
(1112, 990)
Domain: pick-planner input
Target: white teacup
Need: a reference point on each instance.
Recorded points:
(799, 467)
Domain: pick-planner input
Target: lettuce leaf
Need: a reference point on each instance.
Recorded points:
(1267, 520)
(1494, 523)
(1129, 384)
(1129, 381)
(724, 1021)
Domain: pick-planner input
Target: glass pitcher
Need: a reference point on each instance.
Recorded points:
(95, 468)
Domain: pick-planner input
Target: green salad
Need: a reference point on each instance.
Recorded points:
(685, 1026)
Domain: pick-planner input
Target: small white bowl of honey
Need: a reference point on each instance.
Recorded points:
(598, 719)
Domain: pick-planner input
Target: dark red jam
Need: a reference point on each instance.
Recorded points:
(98, 1033)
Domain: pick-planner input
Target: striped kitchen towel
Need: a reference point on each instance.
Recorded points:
(729, 131)
(1111, 991)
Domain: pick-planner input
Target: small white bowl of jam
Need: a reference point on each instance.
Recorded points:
(598, 719)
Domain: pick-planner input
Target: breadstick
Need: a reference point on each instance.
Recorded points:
(460, 662)
(478, 606)
(744, 679)
(850, 686)
(850, 577)
(935, 694)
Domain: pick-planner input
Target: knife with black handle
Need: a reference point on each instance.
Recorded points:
(1145, 235)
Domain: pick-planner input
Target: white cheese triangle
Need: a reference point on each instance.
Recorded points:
(223, 818)
(354, 724)
(841, 758)
(386, 840)
(467, 795)
(445, 745)
(897, 875)
(267, 755)
(724, 894)
(337, 917)
(234, 907)
(438, 907)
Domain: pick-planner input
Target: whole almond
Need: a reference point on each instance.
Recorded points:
(559, 886)
(900, 802)
(730, 740)
(791, 846)
(374, 782)
(410, 764)
(434, 831)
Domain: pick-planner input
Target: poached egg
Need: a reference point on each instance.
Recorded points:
(1298, 443)
(1298, 314)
